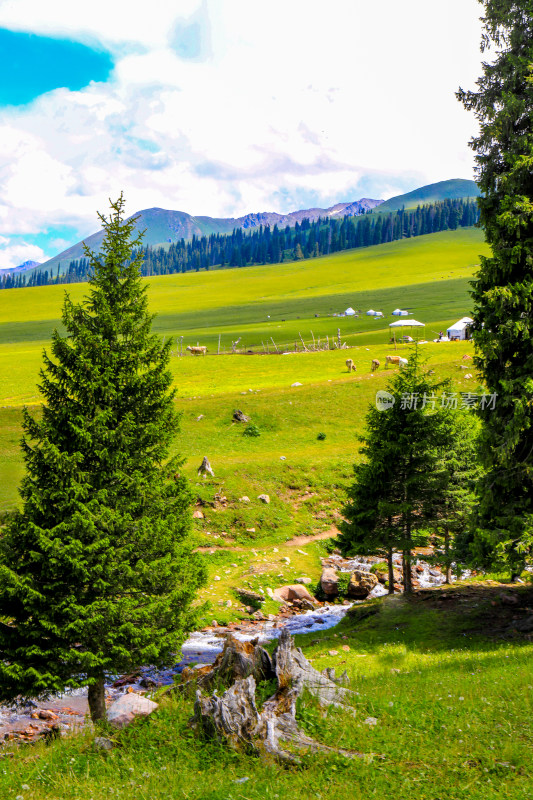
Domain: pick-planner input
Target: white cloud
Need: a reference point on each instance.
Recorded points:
(271, 105)
(12, 255)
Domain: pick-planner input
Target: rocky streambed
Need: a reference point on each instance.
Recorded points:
(68, 712)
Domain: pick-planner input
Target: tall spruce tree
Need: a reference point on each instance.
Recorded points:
(457, 472)
(503, 289)
(395, 488)
(97, 573)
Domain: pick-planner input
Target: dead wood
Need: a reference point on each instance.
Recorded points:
(234, 716)
(239, 416)
(205, 468)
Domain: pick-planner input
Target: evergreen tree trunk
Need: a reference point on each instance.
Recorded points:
(447, 555)
(96, 697)
(407, 585)
(391, 571)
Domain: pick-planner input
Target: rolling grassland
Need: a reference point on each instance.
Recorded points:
(445, 691)
(428, 276)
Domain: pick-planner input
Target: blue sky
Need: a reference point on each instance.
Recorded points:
(223, 107)
(39, 64)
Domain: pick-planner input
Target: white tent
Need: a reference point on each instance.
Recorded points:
(407, 323)
(349, 312)
(371, 313)
(461, 329)
(399, 313)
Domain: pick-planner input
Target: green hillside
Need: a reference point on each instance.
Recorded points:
(162, 226)
(444, 190)
(427, 275)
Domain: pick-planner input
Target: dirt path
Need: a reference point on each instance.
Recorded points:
(296, 541)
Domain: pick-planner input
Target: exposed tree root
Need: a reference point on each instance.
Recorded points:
(234, 716)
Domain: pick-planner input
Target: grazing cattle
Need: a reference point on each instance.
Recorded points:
(197, 351)
(375, 364)
(402, 362)
(351, 366)
(392, 360)
(466, 357)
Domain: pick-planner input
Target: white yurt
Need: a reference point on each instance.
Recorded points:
(349, 312)
(378, 313)
(461, 329)
(399, 313)
(371, 313)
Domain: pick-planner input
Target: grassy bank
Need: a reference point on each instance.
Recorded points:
(452, 704)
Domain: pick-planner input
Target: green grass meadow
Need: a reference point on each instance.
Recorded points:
(452, 700)
(453, 721)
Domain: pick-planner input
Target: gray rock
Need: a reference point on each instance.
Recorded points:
(102, 743)
(127, 708)
(292, 592)
(264, 498)
(329, 581)
(304, 579)
(361, 584)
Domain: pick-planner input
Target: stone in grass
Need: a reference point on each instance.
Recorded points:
(103, 743)
(127, 708)
(304, 579)
(264, 498)
(333, 652)
(371, 721)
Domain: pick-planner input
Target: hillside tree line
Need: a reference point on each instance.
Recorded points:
(266, 245)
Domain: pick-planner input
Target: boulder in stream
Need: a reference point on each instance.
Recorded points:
(361, 584)
(329, 582)
(292, 592)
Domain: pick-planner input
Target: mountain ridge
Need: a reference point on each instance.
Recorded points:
(164, 226)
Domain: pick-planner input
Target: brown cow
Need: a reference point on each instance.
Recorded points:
(392, 360)
(375, 364)
(351, 366)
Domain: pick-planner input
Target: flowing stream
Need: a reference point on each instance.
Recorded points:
(202, 647)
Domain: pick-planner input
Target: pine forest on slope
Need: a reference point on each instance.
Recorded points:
(273, 246)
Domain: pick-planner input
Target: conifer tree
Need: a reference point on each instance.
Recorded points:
(457, 472)
(503, 289)
(396, 487)
(97, 573)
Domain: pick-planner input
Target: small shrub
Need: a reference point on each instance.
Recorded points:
(321, 437)
(251, 430)
(381, 567)
(344, 581)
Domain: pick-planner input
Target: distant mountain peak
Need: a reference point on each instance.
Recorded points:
(21, 267)
(164, 226)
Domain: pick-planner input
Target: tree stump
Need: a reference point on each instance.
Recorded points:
(234, 716)
(205, 468)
